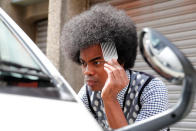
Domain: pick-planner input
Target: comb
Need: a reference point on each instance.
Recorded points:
(109, 51)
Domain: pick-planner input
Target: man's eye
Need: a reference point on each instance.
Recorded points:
(97, 62)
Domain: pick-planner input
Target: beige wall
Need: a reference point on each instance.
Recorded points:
(26, 16)
(61, 11)
(37, 11)
(17, 13)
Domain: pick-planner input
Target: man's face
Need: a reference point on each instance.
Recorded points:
(93, 67)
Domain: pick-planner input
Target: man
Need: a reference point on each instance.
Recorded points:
(113, 93)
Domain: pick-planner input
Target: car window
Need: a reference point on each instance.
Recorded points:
(12, 50)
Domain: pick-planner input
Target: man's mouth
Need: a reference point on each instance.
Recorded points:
(90, 82)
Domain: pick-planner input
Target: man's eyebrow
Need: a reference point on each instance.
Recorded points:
(96, 58)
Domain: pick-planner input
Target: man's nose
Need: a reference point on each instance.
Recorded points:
(88, 70)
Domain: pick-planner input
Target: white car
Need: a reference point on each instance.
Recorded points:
(33, 94)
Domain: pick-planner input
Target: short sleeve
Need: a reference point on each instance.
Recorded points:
(153, 100)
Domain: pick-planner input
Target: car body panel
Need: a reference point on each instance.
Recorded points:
(24, 113)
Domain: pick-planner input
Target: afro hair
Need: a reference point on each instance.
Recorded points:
(102, 23)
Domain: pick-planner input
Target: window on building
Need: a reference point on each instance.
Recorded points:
(41, 34)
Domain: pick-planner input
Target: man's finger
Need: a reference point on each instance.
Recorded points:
(114, 70)
(109, 72)
(121, 70)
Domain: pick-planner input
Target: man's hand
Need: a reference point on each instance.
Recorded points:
(116, 81)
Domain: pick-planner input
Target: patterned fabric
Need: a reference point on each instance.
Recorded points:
(132, 104)
(153, 100)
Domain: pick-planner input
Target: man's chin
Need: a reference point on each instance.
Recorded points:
(95, 88)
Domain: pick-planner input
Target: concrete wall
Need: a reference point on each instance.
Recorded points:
(60, 11)
(26, 15)
(17, 13)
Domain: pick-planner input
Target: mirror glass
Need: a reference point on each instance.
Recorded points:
(158, 53)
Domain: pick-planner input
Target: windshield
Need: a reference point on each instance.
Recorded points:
(12, 50)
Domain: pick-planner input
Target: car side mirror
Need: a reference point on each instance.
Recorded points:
(170, 63)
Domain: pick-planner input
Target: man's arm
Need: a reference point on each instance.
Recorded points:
(117, 80)
(114, 113)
